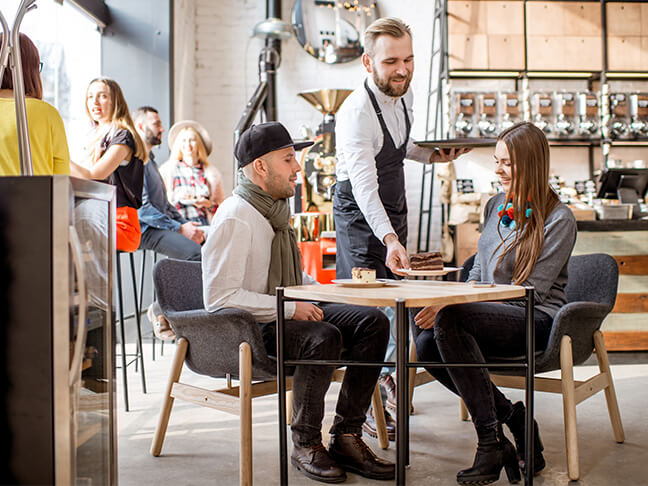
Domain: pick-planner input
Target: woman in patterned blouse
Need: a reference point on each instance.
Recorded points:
(192, 185)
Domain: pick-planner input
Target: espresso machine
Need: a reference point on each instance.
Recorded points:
(487, 124)
(565, 123)
(464, 121)
(639, 115)
(542, 112)
(619, 123)
(511, 112)
(587, 107)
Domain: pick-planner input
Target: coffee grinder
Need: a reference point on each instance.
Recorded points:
(511, 112)
(619, 123)
(587, 107)
(464, 122)
(542, 112)
(565, 123)
(639, 115)
(487, 115)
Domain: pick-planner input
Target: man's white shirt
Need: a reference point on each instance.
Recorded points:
(359, 138)
(236, 261)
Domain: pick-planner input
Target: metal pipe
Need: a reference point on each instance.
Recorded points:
(22, 127)
(4, 50)
(271, 63)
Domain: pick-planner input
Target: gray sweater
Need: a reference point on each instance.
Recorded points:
(549, 275)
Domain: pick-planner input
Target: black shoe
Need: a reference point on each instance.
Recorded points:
(352, 454)
(516, 424)
(494, 452)
(315, 463)
(369, 425)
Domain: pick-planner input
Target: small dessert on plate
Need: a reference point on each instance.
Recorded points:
(363, 275)
(426, 261)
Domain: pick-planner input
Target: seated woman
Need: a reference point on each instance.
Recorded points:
(115, 155)
(527, 239)
(49, 147)
(193, 185)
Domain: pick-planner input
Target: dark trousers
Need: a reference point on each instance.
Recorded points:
(347, 332)
(476, 333)
(170, 243)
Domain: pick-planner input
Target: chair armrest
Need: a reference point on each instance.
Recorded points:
(578, 320)
(214, 339)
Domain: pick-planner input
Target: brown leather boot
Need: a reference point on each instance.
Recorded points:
(352, 454)
(314, 462)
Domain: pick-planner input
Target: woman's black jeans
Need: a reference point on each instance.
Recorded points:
(477, 333)
(347, 332)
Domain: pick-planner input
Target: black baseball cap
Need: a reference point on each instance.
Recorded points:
(264, 138)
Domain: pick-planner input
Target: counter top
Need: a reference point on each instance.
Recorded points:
(613, 225)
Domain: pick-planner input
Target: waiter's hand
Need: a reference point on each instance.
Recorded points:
(447, 155)
(305, 311)
(396, 253)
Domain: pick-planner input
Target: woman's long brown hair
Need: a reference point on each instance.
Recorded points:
(120, 116)
(30, 60)
(529, 155)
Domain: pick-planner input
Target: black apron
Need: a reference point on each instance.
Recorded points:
(357, 246)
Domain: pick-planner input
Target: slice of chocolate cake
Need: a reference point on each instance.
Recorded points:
(426, 261)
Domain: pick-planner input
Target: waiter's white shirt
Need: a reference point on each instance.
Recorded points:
(236, 260)
(359, 138)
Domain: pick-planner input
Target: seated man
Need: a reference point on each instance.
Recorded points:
(164, 230)
(251, 249)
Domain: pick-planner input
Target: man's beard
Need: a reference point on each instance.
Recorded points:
(151, 138)
(384, 85)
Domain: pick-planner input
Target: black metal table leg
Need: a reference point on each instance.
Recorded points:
(281, 375)
(402, 414)
(530, 374)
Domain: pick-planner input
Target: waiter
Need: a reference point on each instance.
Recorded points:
(372, 140)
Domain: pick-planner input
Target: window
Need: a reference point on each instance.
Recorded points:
(70, 49)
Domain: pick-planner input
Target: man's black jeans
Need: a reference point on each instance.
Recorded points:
(476, 333)
(347, 332)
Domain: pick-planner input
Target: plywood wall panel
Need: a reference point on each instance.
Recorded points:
(544, 19)
(582, 53)
(467, 17)
(506, 51)
(468, 51)
(582, 19)
(624, 19)
(505, 17)
(624, 53)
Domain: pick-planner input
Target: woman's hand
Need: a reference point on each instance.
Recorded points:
(425, 318)
(203, 202)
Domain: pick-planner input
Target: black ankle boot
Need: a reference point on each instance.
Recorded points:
(516, 424)
(494, 452)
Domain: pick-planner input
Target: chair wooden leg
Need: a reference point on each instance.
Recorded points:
(463, 411)
(412, 374)
(245, 399)
(569, 407)
(167, 402)
(289, 407)
(379, 418)
(610, 393)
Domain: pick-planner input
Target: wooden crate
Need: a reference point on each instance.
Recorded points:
(466, 237)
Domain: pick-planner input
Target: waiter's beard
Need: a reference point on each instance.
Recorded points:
(384, 84)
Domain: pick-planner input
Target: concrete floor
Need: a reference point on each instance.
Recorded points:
(201, 445)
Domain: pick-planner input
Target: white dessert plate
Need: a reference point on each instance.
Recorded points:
(349, 282)
(427, 273)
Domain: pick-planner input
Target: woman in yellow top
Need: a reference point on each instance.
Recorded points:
(49, 147)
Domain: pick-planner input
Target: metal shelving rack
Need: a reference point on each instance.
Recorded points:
(439, 87)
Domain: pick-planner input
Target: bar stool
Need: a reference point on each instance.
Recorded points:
(138, 357)
(154, 338)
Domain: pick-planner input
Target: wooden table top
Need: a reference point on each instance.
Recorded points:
(415, 293)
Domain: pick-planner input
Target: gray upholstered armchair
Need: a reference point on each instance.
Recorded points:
(575, 334)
